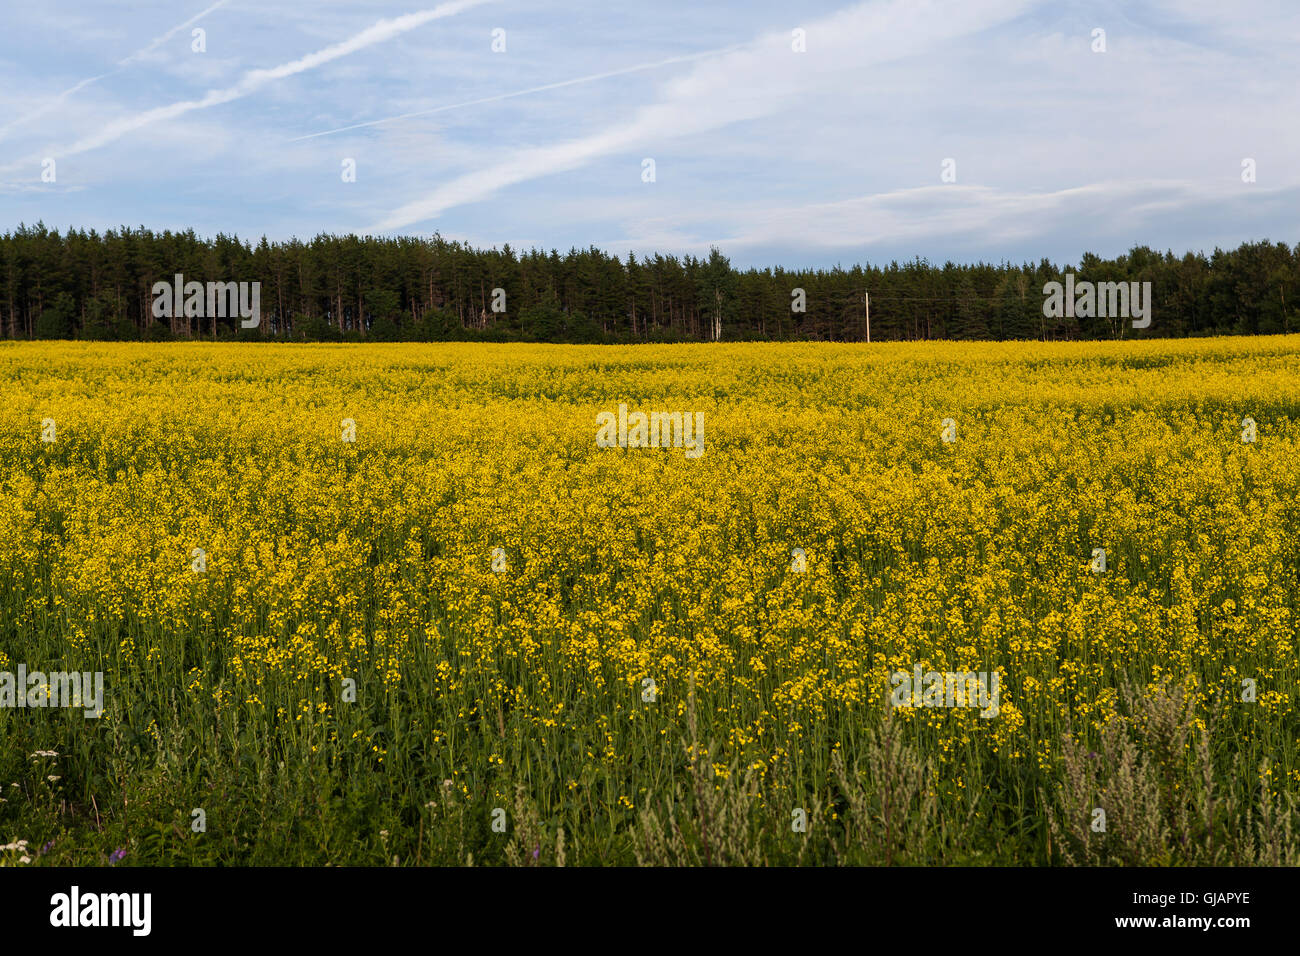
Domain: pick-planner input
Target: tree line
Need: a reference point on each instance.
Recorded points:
(91, 285)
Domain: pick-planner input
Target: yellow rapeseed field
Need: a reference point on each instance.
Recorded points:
(341, 590)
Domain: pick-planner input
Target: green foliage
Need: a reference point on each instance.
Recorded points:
(333, 288)
(56, 321)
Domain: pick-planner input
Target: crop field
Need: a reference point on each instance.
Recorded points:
(430, 604)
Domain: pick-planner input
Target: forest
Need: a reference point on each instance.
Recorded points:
(91, 285)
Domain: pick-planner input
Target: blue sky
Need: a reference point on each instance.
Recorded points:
(833, 155)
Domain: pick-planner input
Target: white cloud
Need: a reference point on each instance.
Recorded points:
(140, 54)
(732, 88)
(254, 80)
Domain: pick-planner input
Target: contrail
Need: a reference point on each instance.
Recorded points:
(254, 80)
(125, 61)
(751, 82)
(533, 89)
(170, 33)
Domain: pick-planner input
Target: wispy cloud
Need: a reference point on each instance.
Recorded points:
(608, 74)
(746, 84)
(254, 80)
(140, 54)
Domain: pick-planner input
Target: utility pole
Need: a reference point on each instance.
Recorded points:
(866, 303)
